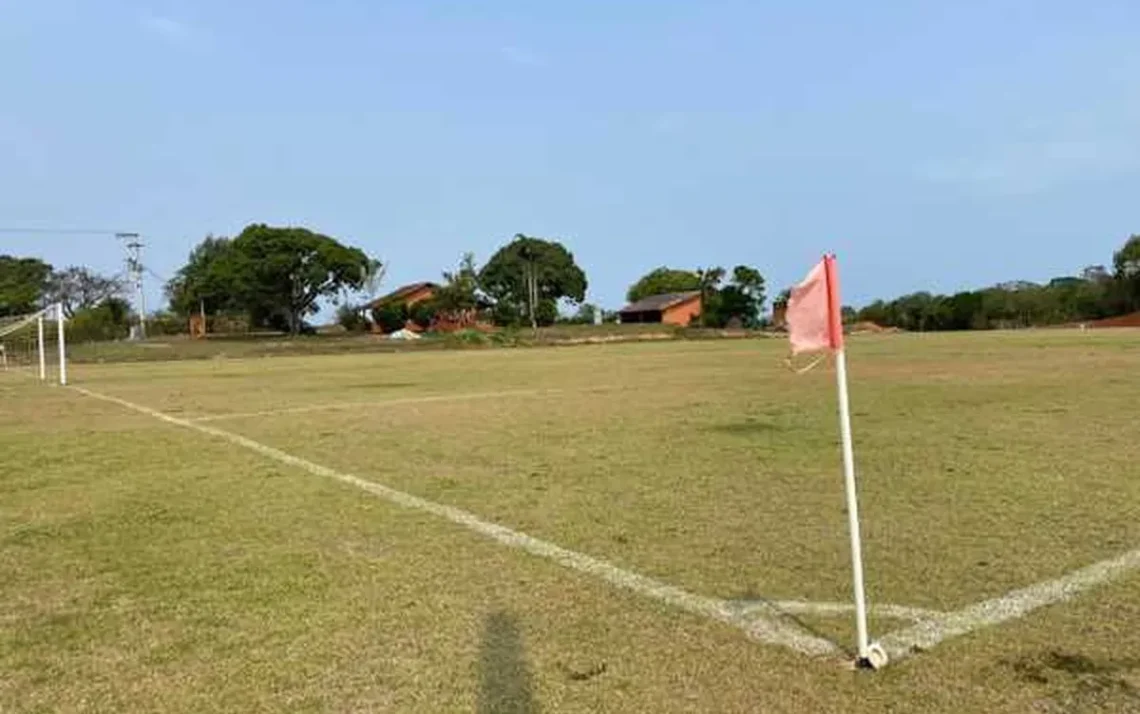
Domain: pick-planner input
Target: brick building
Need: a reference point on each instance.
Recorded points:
(669, 309)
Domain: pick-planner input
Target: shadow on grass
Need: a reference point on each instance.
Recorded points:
(749, 597)
(748, 427)
(505, 680)
(368, 386)
(1075, 682)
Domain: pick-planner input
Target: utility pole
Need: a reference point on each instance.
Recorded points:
(135, 271)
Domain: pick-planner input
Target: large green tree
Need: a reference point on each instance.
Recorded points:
(283, 273)
(23, 284)
(661, 281)
(276, 275)
(1126, 262)
(527, 277)
(78, 288)
(742, 299)
(206, 281)
(709, 280)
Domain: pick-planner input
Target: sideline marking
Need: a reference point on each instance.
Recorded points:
(826, 609)
(423, 399)
(767, 625)
(377, 404)
(1011, 606)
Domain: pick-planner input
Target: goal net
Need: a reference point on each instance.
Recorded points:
(34, 346)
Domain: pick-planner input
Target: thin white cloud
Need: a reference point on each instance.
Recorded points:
(521, 56)
(165, 26)
(1044, 150)
(169, 29)
(670, 123)
(1028, 167)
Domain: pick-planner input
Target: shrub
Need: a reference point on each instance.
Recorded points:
(390, 317)
(506, 314)
(505, 338)
(351, 318)
(165, 323)
(422, 313)
(111, 320)
(467, 338)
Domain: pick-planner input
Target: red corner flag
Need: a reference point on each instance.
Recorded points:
(815, 324)
(814, 312)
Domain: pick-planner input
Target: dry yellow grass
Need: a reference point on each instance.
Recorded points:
(149, 567)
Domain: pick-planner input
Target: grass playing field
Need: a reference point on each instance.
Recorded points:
(644, 528)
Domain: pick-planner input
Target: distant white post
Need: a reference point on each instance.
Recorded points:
(40, 343)
(62, 345)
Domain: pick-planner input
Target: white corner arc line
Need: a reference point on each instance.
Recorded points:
(1010, 606)
(769, 627)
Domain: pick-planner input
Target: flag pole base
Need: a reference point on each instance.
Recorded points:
(876, 658)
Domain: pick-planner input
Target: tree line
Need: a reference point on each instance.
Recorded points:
(279, 277)
(93, 303)
(30, 284)
(1095, 293)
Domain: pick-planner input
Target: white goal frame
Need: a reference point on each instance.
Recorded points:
(38, 318)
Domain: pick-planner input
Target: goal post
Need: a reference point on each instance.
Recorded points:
(35, 345)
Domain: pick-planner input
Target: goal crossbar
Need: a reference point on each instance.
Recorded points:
(25, 320)
(52, 312)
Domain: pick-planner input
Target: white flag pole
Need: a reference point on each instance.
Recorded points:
(852, 506)
(869, 655)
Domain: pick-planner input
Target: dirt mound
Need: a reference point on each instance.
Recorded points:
(1132, 320)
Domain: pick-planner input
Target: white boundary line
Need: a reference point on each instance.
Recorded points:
(1010, 606)
(767, 626)
(830, 609)
(761, 621)
(424, 399)
(376, 404)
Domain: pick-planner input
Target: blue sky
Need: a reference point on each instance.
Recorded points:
(933, 145)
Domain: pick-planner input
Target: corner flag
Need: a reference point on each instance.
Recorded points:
(814, 317)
